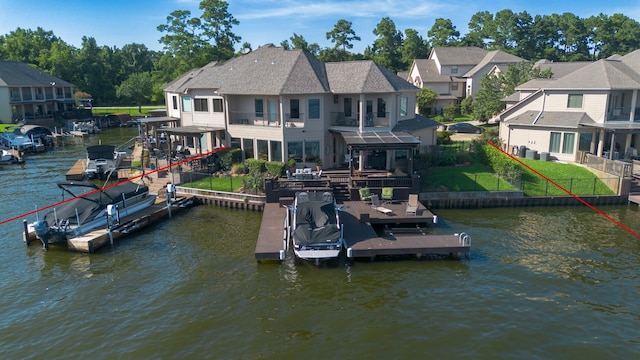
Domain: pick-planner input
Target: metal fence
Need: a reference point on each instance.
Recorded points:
(530, 187)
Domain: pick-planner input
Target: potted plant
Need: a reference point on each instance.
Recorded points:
(318, 164)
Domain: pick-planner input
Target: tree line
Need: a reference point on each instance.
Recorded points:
(136, 74)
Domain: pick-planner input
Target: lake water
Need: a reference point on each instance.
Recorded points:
(542, 283)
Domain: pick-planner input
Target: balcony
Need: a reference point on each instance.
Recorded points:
(254, 119)
(372, 119)
(622, 114)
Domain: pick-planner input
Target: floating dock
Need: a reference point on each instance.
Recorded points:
(359, 219)
(76, 173)
(94, 240)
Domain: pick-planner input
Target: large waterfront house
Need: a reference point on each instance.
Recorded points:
(31, 95)
(279, 104)
(455, 72)
(585, 107)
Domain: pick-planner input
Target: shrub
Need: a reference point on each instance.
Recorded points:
(238, 169)
(229, 157)
(275, 168)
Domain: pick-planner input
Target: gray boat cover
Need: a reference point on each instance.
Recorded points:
(315, 220)
(89, 206)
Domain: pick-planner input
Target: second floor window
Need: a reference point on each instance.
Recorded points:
(186, 103)
(175, 102)
(314, 108)
(200, 105)
(259, 105)
(217, 105)
(574, 101)
(454, 69)
(295, 108)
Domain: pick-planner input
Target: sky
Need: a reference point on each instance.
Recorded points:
(116, 23)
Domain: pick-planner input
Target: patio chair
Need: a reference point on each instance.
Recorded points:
(375, 203)
(387, 194)
(365, 194)
(412, 204)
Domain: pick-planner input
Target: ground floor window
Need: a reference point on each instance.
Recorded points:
(584, 144)
(554, 142)
(311, 151)
(236, 143)
(568, 143)
(247, 146)
(276, 150)
(294, 150)
(263, 149)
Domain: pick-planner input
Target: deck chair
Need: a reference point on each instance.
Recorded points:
(387, 194)
(412, 204)
(375, 203)
(365, 194)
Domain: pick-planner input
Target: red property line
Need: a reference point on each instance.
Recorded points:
(568, 192)
(112, 185)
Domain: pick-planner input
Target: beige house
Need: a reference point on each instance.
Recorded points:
(278, 104)
(31, 95)
(590, 107)
(455, 72)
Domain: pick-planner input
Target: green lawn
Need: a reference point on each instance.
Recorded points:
(132, 110)
(230, 184)
(478, 177)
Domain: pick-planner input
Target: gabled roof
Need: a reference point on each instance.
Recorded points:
(469, 55)
(560, 69)
(551, 119)
(364, 77)
(428, 71)
(600, 75)
(268, 70)
(272, 70)
(418, 123)
(632, 60)
(497, 57)
(180, 84)
(16, 73)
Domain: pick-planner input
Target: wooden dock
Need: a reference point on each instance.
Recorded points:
(271, 238)
(76, 173)
(359, 220)
(99, 238)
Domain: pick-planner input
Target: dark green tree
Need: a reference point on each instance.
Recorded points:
(387, 45)
(443, 33)
(413, 47)
(342, 35)
(425, 98)
(138, 87)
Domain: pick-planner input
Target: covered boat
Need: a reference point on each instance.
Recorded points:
(91, 210)
(314, 227)
(102, 160)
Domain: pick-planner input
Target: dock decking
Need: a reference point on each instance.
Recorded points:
(362, 240)
(99, 238)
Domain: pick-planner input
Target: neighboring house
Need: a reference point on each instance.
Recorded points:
(278, 104)
(591, 107)
(28, 94)
(455, 72)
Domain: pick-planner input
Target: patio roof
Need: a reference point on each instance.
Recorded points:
(158, 119)
(379, 140)
(191, 130)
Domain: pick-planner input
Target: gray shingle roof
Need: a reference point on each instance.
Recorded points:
(364, 77)
(469, 55)
(272, 70)
(497, 57)
(552, 119)
(418, 123)
(560, 69)
(604, 74)
(15, 73)
(429, 71)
